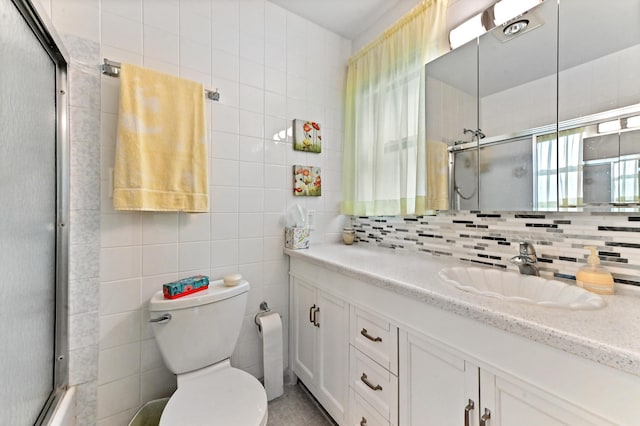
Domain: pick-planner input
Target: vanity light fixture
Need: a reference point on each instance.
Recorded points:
(509, 9)
(468, 30)
(498, 14)
(633, 122)
(609, 126)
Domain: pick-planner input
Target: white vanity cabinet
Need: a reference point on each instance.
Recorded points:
(440, 387)
(436, 367)
(320, 345)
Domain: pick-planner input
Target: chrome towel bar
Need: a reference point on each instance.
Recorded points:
(112, 69)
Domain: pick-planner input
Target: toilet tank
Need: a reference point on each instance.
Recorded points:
(203, 328)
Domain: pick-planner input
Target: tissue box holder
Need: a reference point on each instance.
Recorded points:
(185, 286)
(296, 238)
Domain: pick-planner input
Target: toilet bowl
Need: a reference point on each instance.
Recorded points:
(196, 335)
(217, 395)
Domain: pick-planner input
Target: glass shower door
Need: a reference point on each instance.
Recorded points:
(27, 220)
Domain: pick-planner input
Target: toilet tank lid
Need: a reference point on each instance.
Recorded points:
(216, 292)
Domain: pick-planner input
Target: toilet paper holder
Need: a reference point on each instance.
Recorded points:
(264, 310)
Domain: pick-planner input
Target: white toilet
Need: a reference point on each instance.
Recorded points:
(196, 339)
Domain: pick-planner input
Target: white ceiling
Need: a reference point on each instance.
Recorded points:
(349, 18)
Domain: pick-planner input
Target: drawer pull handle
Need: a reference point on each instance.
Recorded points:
(311, 319)
(368, 383)
(366, 334)
(363, 422)
(316, 322)
(468, 409)
(485, 417)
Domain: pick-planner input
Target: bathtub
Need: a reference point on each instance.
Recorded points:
(65, 411)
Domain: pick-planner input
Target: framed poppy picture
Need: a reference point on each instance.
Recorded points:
(306, 136)
(307, 181)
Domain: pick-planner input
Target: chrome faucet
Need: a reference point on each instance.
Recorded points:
(526, 261)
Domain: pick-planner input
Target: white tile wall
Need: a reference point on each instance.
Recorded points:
(270, 67)
(119, 296)
(76, 18)
(118, 396)
(119, 362)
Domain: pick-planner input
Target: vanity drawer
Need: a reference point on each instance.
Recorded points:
(363, 414)
(375, 337)
(374, 384)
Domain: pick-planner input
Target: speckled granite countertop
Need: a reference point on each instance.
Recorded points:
(610, 336)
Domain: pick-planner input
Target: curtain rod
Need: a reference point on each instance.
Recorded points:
(112, 69)
(394, 28)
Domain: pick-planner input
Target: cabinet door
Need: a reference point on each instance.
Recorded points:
(304, 339)
(436, 384)
(333, 355)
(512, 402)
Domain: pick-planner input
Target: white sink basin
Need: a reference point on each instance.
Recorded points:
(521, 288)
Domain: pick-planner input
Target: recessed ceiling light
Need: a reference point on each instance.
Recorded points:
(515, 27)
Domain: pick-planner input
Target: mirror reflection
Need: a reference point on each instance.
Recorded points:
(546, 120)
(595, 165)
(517, 74)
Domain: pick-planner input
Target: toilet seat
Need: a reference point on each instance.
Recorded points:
(222, 395)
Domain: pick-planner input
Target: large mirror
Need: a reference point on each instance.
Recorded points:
(452, 115)
(558, 110)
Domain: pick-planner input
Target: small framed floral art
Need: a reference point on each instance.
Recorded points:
(306, 136)
(307, 181)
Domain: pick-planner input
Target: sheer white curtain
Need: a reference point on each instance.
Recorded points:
(384, 161)
(559, 170)
(626, 182)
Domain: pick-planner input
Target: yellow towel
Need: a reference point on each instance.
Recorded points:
(437, 176)
(161, 152)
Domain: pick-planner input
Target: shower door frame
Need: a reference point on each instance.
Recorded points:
(37, 20)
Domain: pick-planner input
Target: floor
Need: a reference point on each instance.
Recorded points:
(297, 408)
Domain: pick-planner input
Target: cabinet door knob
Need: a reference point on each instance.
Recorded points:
(316, 322)
(311, 319)
(363, 422)
(467, 413)
(366, 334)
(368, 383)
(485, 417)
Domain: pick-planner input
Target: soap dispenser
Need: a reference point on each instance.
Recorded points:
(594, 277)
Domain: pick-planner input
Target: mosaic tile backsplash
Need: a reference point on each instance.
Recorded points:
(491, 238)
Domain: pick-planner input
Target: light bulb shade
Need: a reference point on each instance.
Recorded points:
(609, 126)
(633, 121)
(466, 31)
(509, 9)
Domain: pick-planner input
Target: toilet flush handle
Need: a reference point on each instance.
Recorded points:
(161, 319)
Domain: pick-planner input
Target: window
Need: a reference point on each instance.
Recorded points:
(384, 161)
